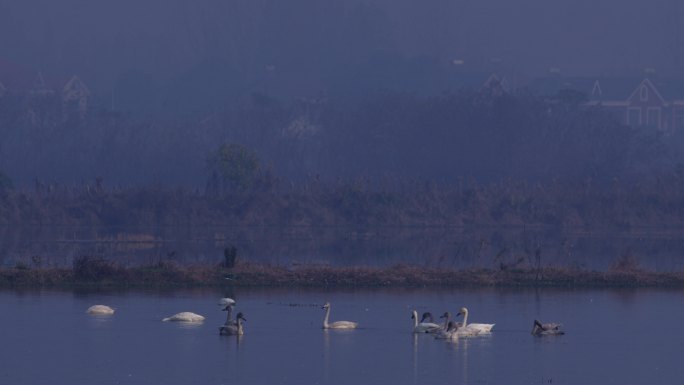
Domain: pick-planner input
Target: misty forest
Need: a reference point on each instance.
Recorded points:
(349, 113)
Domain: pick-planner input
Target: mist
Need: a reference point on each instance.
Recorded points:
(308, 84)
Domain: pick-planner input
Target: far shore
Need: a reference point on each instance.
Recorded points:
(101, 273)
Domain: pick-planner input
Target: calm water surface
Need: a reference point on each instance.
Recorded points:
(613, 337)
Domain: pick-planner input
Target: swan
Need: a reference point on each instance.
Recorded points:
(474, 328)
(233, 330)
(229, 316)
(424, 327)
(227, 302)
(185, 316)
(547, 329)
(450, 333)
(336, 324)
(427, 317)
(100, 309)
(447, 319)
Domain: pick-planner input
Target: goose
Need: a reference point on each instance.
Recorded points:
(474, 328)
(547, 329)
(100, 309)
(233, 330)
(450, 333)
(336, 324)
(185, 316)
(424, 327)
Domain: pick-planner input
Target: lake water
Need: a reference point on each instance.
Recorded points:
(613, 337)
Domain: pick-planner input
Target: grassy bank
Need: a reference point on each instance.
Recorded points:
(101, 273)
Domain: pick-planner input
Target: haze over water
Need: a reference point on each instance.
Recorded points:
(48, 338)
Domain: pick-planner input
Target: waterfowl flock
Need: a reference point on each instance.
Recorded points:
(449, 330)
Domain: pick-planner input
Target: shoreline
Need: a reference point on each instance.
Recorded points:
(104, 274)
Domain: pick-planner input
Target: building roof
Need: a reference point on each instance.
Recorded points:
(607, 88)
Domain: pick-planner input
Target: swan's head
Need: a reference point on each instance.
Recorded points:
(462, 312)
(536, 327)
(452, 326)
(414, 314)
(446, 315)
(227, 307)
(240, 316)
(427, 317)
(326, 306)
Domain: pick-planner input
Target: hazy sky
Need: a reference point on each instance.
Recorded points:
(100, 39)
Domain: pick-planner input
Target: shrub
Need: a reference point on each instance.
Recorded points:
(93, 269)
(625, 263)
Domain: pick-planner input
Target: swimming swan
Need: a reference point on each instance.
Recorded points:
(336, 324)
(228, 304)
(548, 329)
(450, 333)
(472, 329)
(447, 319)
(233, 330)
(100, 309)
(424, 327)
(185, 316)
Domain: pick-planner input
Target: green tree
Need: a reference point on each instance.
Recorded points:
(233, 166)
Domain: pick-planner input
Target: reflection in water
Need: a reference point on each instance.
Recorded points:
(464, 360)
(414, 345)
(100, 320)
(326, 356)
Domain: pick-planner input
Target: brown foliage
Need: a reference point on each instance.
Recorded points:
(102, 273)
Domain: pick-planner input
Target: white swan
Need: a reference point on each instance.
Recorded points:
(474, 328)
(547, 329)
(185, 316)
(227, 302)
(424, 327)
(233, 330)
(100, 309)
(336, 324)
(450, 333)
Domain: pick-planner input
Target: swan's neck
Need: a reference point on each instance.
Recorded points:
(465, 318)
(415, 319)
(239, 325)
(327, 316)
(446, 322)
(229, 314)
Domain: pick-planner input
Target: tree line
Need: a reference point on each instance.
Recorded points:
(384, 136)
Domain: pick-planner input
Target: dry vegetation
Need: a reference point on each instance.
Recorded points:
(98, 272)
(579, 204)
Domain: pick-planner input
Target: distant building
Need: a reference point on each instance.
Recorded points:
(638, 102)
(496, 85)
(75, 96)
(40, 87)
(37, 91)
